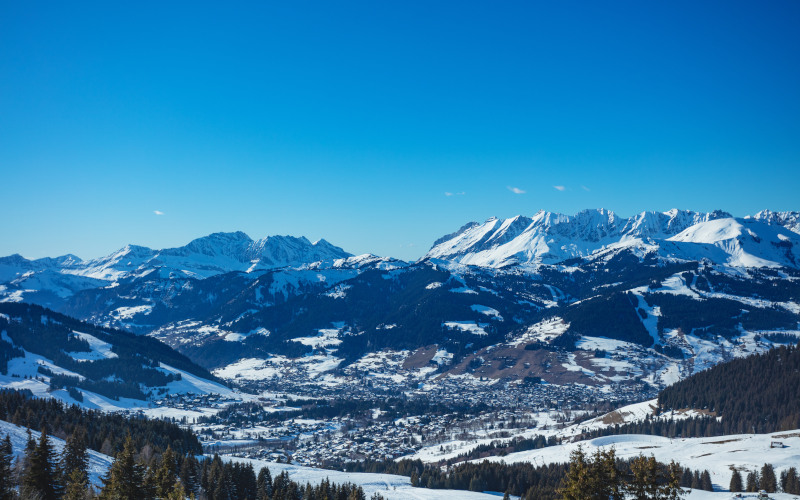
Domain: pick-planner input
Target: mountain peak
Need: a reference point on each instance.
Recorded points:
(550, 237)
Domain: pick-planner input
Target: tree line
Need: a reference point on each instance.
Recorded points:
(105, 433)
(757, 394)
(44, 475)
(766, 480)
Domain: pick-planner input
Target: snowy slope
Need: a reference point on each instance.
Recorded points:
(548, 238)
(23, 374)
(390, 486)
(98, 463)
(745, 452)
(738, 243)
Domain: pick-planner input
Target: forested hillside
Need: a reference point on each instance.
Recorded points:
(759, 393)
(106, 361)
(105, 433)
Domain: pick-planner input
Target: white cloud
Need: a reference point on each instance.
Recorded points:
(515, 190)
(158, 212)
(585, 188)
(560, 188)
(448, 193)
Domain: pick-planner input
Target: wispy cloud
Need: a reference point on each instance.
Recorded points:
(460, 193)
(516, 190)
(158, 212)
(560, 188)
(585, 188)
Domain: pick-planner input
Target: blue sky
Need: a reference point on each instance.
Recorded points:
(352, 122)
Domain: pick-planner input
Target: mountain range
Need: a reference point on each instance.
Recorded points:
(592, 298)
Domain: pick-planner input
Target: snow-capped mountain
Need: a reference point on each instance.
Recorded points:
(49, 281)
(549, 238)
(736, 242)
(789, 220)
(591, 298)
(210, 255)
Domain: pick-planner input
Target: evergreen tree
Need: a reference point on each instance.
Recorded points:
(769, 482)
(752, 482)
(671, 490)
(189, 474)
(167, 474)
(577, 484)
(42, 477)
(25, 464)
(608, 479)
(686, 478)
(643, 479)
(6, 483)
(790, 482)
(736, 482)
(696, 480)
(77, 486)
(125, 478)
(76, 456)
(705, 481)
(264, 484)
(177, 492)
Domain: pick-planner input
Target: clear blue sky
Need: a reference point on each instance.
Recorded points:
(351, 122)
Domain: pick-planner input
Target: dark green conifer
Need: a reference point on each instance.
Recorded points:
(125, 479)
(705, 481)
(577, 484)
(736, 482)
(264, 484)
(77, 486)
(769, 482)
(6, 482)
(42, 477)
(752, 482)
(166, 474)
(76, 456)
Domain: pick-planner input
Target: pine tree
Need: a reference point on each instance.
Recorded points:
(166, 474)
(752, 482)
(76, 456)
(42, 477)
(769, 482)
(577, 484)
(264, 484)
(792, 483)
(77, 486)
(686, 478)
(6, 483)
(671, 490)
(696, 484)
(640, 478)
(125, 478)
(705, 481)
(189, 474)
(736, 482)
(607, 477)
(177, 492)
